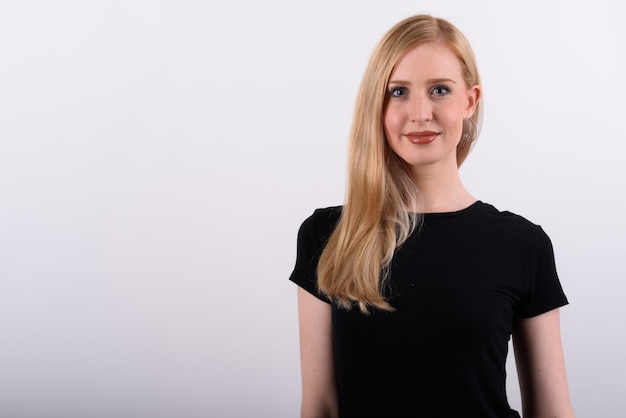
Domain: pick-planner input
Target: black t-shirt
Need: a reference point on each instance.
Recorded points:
(457, 285)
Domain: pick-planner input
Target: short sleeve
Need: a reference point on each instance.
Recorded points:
(544, 291)
(312, 237)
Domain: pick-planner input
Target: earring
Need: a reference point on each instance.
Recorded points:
(470, 130)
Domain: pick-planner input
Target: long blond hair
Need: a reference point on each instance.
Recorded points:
(376, 217)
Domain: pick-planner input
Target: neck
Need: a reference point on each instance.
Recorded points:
(441, 190)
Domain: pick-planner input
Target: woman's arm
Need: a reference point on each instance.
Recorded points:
(319, 395)
(541, 367)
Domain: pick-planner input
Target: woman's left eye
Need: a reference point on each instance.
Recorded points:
(440, 90)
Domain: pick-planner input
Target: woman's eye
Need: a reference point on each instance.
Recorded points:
(440, 90)
(398, 91)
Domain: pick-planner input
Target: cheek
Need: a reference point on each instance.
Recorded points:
(452, 119)
(392, 122)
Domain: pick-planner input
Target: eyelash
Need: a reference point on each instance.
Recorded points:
(393, 90)
(441, 87)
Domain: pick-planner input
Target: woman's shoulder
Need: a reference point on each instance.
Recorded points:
(506, 215)
(512, 222)
(325, 215)
(330, 213)
(322, 221)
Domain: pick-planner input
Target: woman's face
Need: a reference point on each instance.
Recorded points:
(427, 100)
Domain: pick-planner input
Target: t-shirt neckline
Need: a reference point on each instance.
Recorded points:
(474, 206)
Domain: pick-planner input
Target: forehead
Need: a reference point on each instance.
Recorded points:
(429, 60)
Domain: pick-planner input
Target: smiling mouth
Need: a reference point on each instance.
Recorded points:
(425, 137)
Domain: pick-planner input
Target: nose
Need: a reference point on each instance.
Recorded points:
(420, 109)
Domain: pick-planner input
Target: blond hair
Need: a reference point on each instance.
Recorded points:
(377, 216)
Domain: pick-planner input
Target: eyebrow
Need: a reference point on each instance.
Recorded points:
(431, 81)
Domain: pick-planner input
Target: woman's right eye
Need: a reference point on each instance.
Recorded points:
(398, 91)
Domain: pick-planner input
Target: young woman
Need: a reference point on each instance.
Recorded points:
(409, 292)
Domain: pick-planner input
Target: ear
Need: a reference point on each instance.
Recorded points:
(473, 97)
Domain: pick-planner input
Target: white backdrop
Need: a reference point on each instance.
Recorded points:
(158, 157)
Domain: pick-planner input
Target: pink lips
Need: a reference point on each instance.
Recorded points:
(422, 137)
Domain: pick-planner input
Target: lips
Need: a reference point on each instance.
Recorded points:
(422, 137)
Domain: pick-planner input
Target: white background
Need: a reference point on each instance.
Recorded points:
(158, 157)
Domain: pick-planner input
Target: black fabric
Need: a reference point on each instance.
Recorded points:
(457, 286)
